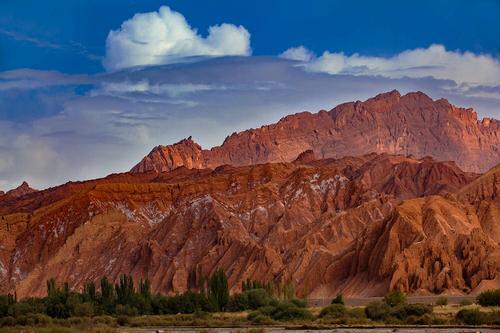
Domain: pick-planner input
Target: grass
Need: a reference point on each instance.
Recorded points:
(354, 316)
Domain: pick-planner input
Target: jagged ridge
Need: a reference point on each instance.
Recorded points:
(412, 124)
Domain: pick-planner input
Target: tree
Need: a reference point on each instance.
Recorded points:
(218, 290)
(125, 289)
(288, 290)
(145, 288)
(395, 298)
(89, 292)
(51, 287)
(59, 304)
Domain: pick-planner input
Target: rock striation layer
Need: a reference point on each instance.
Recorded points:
(358, 225)
(412, 124)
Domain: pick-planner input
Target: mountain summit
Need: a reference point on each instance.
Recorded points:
(412, 124)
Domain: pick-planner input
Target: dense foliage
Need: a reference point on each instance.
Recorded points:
(489, 298)
(121, 299)
(123, 303)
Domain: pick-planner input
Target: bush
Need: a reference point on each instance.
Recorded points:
(286, 311)
(333, 311)
(105, 320)
(28, 306)
(338, 300)
(377, 310)
(356, 313)
(441, 301)
(238, 302)
(466, 302)
(258, 318)
(83, 310)
(407, 310)
(40, 319)
(470, 316)
(257, 298)
(300, 303)
(126, 310)
(7, 321)
(489, 298)
(395, 298)
(122, 320)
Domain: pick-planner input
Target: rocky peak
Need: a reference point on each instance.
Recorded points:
(21, 190)
(305, 157)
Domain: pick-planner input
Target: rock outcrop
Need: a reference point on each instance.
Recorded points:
(19, 191)
(412, 124)
(358, 225)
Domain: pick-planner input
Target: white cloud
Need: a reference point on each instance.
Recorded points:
(143, 86)
(434, 61)
(166, 37)
(299, 53)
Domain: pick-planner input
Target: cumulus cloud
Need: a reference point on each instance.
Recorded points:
(165, 37)
(299, 53)
(434, 61)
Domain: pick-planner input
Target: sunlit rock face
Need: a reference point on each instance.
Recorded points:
(358, 225)
(412, 124)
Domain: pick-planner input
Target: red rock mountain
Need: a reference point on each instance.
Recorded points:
(357, 225)
(331, 208)
(412, 124)
(21, 190)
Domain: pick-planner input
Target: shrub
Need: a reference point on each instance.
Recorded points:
(257, 298)
(122, 320)
(395, 298)
(441, 301)
(470, 316)
(356, 313)
(300, 303)
(338, 300)
(466, 302)
(40, 319)
(238, 302)
(24, 321)
(28, 306)
(83, 310)
(105, 320)
(258, 318)
(377, 310)
(287, 311)
(8, 321)
(489, 298)
(333, 311)
(407, 310)
(126, 310)
(476, 317)
(426, 319)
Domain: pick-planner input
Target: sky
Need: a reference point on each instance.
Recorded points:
(88, 88)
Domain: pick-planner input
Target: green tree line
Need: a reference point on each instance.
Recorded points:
(129, 298)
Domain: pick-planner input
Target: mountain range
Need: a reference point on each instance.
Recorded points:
(396, 192)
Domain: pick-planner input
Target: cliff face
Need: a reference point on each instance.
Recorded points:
(412, 124)
(357, 225)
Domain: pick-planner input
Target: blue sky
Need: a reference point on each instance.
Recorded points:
(71, 34)
(89, 87)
